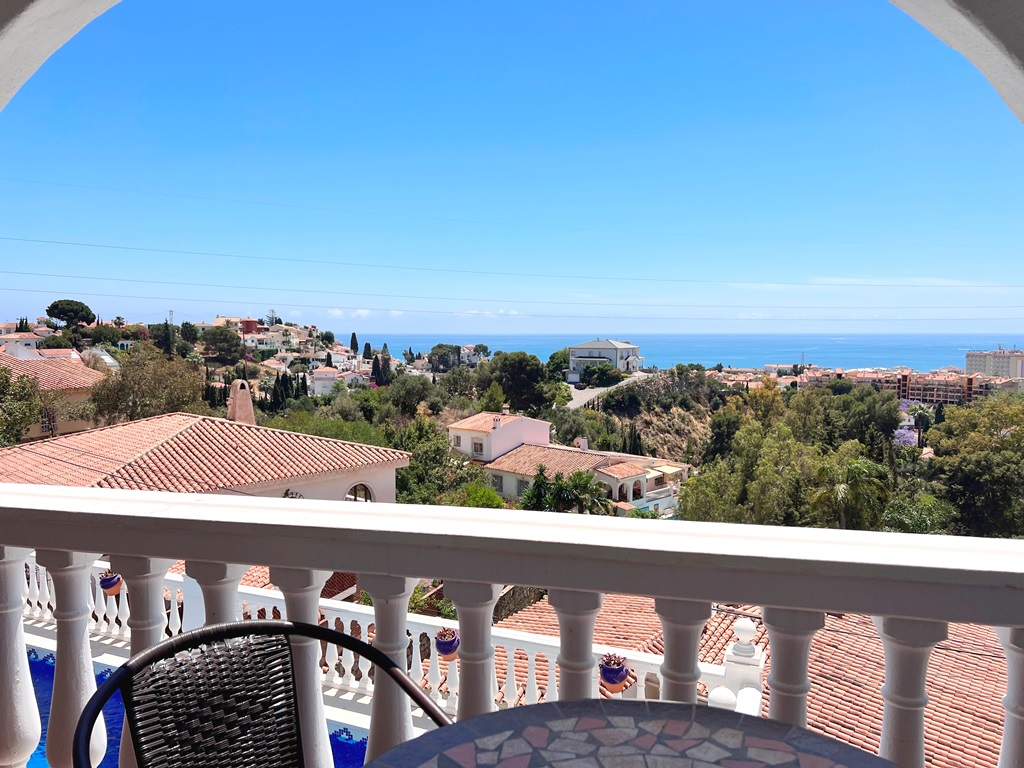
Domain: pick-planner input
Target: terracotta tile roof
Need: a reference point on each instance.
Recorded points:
(524, 460)
(56, 373)
(966, 674)
(622, 470)
(483, 421)
(257, 576)
(184, 453)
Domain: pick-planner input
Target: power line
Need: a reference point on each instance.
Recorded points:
(463, 298)
(478, 314)
(537, 275)
(484, 222)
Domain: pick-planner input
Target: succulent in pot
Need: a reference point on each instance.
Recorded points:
(614, 672)
(447, 642)
(110, 582)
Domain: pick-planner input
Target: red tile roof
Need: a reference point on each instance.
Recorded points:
(185, 453)
(966, 674)
(53, 373)
(623, 470)
(484, 421)
(524, 460)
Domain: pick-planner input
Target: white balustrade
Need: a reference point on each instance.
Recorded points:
(926, 581)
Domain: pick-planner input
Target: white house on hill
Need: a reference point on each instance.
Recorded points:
(620, 354)
(486, 436)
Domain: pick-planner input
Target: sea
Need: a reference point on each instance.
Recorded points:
(922, 352)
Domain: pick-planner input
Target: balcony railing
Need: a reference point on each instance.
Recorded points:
(914, 585)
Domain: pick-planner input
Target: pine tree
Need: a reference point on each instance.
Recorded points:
(375, 372)
(354, 343)
(384, 350)
(367, 351)
(940, 414)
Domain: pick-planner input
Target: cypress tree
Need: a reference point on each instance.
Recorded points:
(329, 361)
(385, 369)
(354, 343)
(375, 371)
(384, 350)
(277, 394)
(367, 351)
(303, 388)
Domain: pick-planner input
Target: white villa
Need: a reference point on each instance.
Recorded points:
(620, 354)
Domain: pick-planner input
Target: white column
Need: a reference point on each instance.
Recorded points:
(908, 643)
(1011, 753)
(390, 709)
(20, 727)
(301, 588)
(577, 668)
(219, 582)
(144, 580)
(682, 623)
(74, 680)
(475, 604)
(790, 633)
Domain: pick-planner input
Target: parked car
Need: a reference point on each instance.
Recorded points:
(580, 385)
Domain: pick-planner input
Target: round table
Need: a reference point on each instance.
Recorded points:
(619, 733)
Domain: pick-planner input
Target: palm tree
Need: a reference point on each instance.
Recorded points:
(536, 496)
(562, 495)
(923, 416)
(591, 497)
(850, 492)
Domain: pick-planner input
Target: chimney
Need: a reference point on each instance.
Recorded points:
(240, 403)
(504, 410)
(497, 423)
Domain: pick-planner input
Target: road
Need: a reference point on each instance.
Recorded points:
(583, 396)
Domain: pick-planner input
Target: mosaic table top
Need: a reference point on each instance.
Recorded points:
(623, 734)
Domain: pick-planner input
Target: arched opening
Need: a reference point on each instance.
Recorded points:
(638, 490)
(359, 492)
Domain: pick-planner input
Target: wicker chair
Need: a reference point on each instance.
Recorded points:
(223, 696)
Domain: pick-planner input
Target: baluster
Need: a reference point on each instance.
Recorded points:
(124, 613)
(790, 633)
(908, 643)
(1011, 752)
(219, 585)
(531, 678)
(331, 676)
(474, 602)
(452, 683)
(347, 671)
(511, 688)
(193, 607)
(364, 666)
(44, 590)
(111, 612)
(146, 622)
(577, 612)
(91, 599)
(551, 694)
(434, 676)
(33, 590)
(682, 622)
(99, 606)
(416, 667)
(173, 615)
(390, 710)
(639, 688)
(20, 726)
(301, 588)
(25, 604)
(74, 680)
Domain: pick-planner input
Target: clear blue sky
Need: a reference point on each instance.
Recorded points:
(817, 143)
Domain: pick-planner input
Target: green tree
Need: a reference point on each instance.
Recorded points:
(481, 350)
(353, 344)
(558, 364)
(851, 494)
(148, 384)
(105, 334)
(327, 337)
(56, 342)
(367, 351)
(444, 357)
(19, 406)
(458, 382)
(537, 494)
(23, 326)
(434, 469)
(189, 332)
(223, 345)
(521, 376)
(725, 423)
(407, 392)
(591, 494)
(473, 494)
(493, 399)
(118, 321)
(70, 312)
(375, 376)
(766, 402)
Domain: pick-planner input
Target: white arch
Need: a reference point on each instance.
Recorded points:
(990, 33)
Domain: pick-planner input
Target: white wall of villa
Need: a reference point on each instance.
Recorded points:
(619, 354)
(335, 486)
(500, 438)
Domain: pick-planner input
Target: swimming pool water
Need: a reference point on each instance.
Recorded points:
(349, 748)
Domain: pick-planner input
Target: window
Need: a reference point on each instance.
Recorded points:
(457, 441)
(498, 481)
(48, 422)
(637, 490)
(478, 447)
(358, 493)
(521, 486)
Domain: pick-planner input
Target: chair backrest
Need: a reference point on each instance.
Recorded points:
(224, 696)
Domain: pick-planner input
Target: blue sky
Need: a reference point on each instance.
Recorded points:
(503, 168)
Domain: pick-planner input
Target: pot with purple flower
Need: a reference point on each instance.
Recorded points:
(447, 642)
(614, 672)
(110, 582)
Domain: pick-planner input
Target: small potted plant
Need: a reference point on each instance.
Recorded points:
(447, 642)
(613, 672)
(110, 582)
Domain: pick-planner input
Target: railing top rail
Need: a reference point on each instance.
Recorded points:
(936, 577)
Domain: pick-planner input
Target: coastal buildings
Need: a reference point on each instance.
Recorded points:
(1005, 363)
(619, 354)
